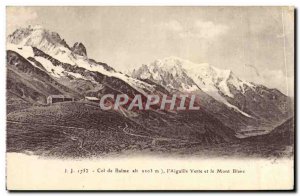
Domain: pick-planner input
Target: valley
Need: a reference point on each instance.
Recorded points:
(234, 117)
(76, 130)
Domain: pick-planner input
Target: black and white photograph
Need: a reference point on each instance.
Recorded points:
(184, 83)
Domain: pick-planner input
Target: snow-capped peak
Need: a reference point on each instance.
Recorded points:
(178, 74)
(36, 27)
(79, 49)
(36, 36)
(25, 40)
(41, 38)
(207, 77)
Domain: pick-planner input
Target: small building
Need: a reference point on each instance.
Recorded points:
(58, 98)
(92, 99)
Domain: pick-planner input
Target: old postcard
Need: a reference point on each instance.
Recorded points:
(150, 98)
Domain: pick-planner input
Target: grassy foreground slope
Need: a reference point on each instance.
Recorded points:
(80, 129)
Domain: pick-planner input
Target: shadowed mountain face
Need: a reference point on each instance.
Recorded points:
(280, 135)
(31, 82)
(82, 129)
(79, 49)
(283, 133)
(40, 63)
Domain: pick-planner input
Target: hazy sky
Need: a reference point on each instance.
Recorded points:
(240, 39)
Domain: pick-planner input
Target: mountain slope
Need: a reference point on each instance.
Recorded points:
(30, 82)
(41, 63)
(280, 140)
(284, 133)
(238, 104)
(78, 129)
(221, 93)
(55, 55)
(71, 66)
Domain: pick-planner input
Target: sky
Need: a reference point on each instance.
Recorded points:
(256, 43)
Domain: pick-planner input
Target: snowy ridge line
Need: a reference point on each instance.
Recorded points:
(51, 44)
(186, 76)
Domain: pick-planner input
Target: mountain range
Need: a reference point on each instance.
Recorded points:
(41, 63)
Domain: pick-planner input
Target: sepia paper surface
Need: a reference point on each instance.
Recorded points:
(150, 98)
(49, 174)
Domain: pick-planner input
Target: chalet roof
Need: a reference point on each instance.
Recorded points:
(92, 98)
(59, 96)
